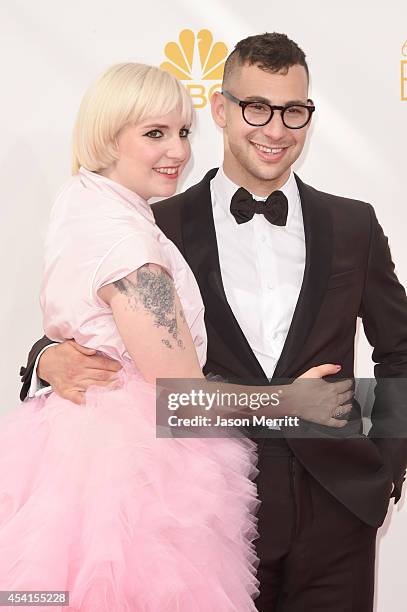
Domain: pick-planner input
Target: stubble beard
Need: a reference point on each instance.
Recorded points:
(253, 173)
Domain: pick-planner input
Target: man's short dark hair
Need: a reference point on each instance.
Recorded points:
(272, 52)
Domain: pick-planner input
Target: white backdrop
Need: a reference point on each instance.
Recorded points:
(52, 50)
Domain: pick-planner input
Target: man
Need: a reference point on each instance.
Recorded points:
(283, 279)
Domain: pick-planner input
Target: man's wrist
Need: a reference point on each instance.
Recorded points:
(38, 385)
(39, 369)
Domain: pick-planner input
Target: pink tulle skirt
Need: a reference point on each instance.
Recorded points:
(91, 502)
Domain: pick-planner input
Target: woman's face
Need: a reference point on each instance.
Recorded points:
(152, 155)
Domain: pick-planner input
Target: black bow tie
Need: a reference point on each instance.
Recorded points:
(243, 206)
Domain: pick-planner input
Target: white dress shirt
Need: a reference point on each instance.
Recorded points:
(262, 267)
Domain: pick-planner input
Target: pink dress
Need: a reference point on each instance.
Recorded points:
(91, 502)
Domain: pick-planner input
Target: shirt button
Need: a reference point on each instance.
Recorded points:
(270, 286)
(263, 239)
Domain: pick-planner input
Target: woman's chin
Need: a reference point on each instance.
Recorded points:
(167, 190)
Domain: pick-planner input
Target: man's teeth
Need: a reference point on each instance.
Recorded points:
(267, 149)
(167, 170)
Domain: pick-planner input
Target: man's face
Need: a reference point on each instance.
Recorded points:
(260, 158)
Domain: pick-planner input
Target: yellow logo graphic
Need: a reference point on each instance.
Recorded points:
(403, 65)
(195, 57)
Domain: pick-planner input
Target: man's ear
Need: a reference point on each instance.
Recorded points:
(218, 109)
(310, 101)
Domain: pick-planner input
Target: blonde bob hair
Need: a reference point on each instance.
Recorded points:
(124, 94)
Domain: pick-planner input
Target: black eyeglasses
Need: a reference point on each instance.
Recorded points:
(256, 113)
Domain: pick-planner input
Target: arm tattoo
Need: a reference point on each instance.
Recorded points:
(154, 290)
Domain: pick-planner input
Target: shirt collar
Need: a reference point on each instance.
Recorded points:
(98, 182)
(224, 189)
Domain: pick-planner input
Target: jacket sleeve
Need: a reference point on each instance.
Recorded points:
(384, 316)
(26, 372)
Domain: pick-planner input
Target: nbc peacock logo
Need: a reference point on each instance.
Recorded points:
(197, 60)
(404, 72)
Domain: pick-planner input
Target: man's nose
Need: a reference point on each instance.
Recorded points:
(275, 128)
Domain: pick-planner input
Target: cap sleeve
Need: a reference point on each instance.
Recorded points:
(125, 256)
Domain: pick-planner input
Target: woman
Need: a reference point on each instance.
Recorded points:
(90, 501)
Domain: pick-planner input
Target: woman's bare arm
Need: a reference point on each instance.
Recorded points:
(150, 320)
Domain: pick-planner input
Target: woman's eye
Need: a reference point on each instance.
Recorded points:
(185, 132)
(154, 134)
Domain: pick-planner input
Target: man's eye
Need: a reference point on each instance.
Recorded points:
(259, 108)
(184, 133)
(154, 134)
(295, 110)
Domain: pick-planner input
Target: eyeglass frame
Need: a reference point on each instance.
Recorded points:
(272, 107)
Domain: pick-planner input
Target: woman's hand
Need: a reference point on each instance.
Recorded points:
(318, 401)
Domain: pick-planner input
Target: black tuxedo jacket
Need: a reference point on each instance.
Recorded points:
(348, 273)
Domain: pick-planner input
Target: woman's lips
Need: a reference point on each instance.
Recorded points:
(169, 173)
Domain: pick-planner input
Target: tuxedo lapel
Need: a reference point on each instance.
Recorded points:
(318, 257)
(201, 252)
